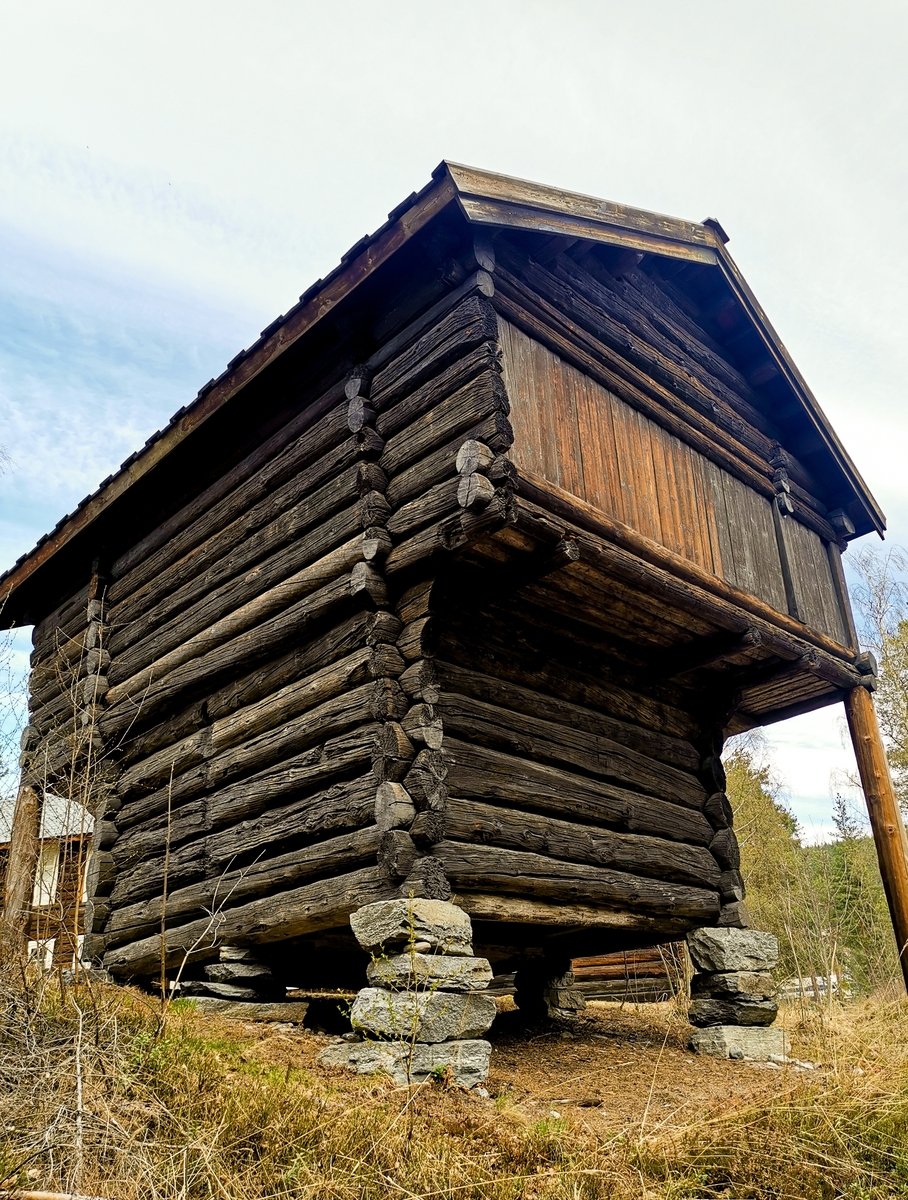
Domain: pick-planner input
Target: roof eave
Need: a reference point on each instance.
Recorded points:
(315, 304)
(784, 363)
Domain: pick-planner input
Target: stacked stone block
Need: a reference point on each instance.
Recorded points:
(237, 976)
(424, 1011)
(733, 994)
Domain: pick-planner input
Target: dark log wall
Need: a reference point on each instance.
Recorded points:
(254, 699)
(563, 787)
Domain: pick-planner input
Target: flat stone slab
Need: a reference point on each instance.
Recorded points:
(412, 972)
(224, 991)
(427, 1016)
(393, 924)
(238, 973)
(732, 1010)
(748, 1042)
(727, 983)
(293, 1011)
(464, 1063)
(733, 949)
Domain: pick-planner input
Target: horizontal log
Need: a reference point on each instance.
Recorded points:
(515, 872)
(333, 645)
(480, 398)
(433, 504)
(345, 754)
(484, 774)
(48, 631)
(324, 904)
(517, 698)
(555, 742)
(413, 404)
(256, 533)
(470, 323)
(278, 554)
(305, 438)
(200, 663)
(485, 824)
(420, 681)
(328, 720)
(426, 472)
(416, 601)
(521, 910)
(649, 626)
(659, 956)
(333, 856)
(346, 805)
(249, 722)
(442, 536)
(648, 970)
(565, 657)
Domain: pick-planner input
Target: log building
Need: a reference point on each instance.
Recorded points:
(453, 583)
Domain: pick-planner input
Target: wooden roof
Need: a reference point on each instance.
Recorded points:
(484, 199)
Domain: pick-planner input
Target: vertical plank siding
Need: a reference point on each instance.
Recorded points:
(573, 432)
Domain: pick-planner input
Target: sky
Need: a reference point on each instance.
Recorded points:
(174, 175)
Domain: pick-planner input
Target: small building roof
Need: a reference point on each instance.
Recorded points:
(488, 200)
(60, 818)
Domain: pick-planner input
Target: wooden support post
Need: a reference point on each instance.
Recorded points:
(885, 817)
(23, 861)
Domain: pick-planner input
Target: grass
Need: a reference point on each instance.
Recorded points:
(98, 1095)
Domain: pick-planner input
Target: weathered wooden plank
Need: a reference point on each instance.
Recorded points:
(321, 905)
(813, 581)
(515, 872)
(486, 824)
(476, 771)
(543, 740)
(626, 328)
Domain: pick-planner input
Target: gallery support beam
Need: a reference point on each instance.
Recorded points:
(883, 808)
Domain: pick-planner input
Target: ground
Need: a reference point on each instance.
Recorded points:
(623, 1068)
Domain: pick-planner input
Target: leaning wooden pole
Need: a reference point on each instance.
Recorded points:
(883, 808)
(23, 861)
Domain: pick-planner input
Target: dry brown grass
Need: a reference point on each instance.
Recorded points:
(97, 1095)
